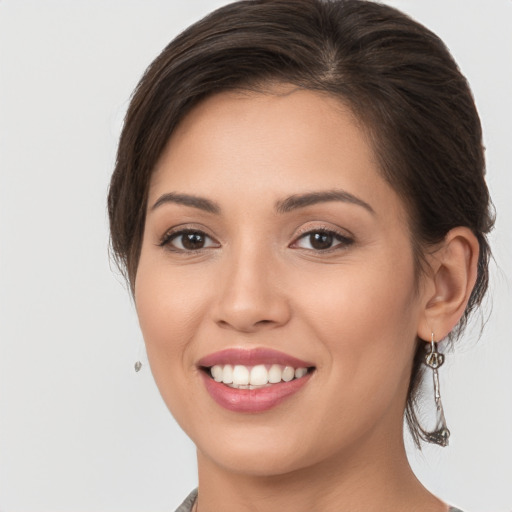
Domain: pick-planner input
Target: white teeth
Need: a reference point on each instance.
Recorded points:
(274, 374)
(259, 375)
(247, 377)
(288, 373)
(227, 374)
(299, 372)
(217, 372)
(240, 375)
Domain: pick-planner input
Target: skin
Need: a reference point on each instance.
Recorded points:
(354, 310)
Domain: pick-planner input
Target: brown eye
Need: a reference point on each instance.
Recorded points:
(322, 240)
(192, 241)
(188, 240)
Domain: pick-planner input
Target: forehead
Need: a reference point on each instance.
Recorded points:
(273, 143)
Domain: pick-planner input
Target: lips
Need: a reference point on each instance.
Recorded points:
(252, 357)
(253, 380)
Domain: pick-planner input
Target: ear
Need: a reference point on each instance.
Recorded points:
(450, 283)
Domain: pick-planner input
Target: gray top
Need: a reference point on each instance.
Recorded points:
(187, 505)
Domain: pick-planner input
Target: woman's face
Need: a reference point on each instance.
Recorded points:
(271, 241)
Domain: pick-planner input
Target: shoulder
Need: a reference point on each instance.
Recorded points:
(187, 505)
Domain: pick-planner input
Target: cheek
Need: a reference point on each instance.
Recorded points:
(168, 306)
(362, 298)
(366, 317)
(169, 310)
(167, 316)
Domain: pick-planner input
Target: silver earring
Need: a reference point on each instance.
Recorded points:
(138, 363)
(434, 360)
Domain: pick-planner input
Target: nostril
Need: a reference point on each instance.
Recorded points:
(245, 325)
(248, 306)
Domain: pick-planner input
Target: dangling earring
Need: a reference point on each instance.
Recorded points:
(138, 363)
(441, 434)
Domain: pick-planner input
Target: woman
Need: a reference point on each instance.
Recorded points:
(300, 207)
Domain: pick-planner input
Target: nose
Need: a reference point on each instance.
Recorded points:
(251, 295)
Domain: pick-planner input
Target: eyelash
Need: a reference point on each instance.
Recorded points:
(344, 241)
(173, 235)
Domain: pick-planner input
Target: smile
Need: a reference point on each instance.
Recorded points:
(255, 380)
(247, 377)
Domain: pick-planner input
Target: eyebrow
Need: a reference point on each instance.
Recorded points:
(310, 198)
(289, 204)
(200, 203)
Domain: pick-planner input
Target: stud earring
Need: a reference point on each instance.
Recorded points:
(434, 360)
(138, 363)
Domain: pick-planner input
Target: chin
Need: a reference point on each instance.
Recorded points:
(256, 460)
(260, 451)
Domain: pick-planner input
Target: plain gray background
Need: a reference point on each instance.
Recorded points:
(79, 430)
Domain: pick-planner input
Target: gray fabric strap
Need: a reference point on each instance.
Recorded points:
(187, 505)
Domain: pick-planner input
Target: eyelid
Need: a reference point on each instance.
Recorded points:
(177, 231)
(345, 239)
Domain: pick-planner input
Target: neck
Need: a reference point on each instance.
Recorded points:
(370, 480)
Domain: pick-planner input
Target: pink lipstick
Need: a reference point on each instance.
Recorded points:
(252, 357)
(254, 380)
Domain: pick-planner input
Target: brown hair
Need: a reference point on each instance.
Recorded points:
(397, 77)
